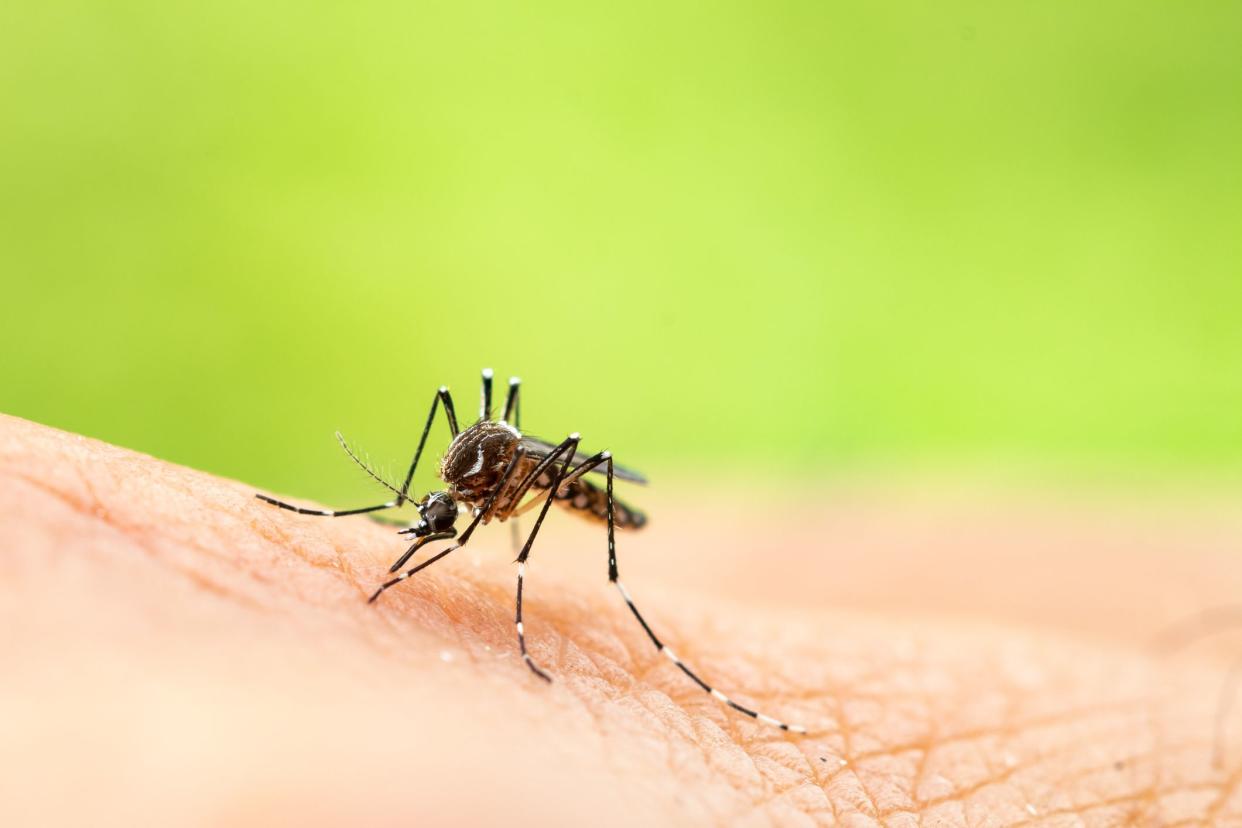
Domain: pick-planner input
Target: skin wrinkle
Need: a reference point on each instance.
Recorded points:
(999, 778)
(312, 574)
(1226, 792)
(143, 544)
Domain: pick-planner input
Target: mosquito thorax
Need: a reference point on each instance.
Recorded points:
(477, 458)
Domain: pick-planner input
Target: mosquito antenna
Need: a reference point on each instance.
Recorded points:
(370, 471)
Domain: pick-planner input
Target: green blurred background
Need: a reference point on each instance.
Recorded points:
(796, 237)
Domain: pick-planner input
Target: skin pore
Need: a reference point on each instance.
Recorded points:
(176, 652)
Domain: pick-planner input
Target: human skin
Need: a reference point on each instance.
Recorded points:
(174, 651)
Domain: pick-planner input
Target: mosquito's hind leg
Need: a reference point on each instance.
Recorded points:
(485, 395)
(605, 458)
(513, 406)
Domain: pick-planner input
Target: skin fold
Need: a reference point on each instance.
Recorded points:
(173, 651)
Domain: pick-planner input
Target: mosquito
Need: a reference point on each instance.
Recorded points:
(495, 472)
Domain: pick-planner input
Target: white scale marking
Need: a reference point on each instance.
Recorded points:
(519, 628)
(716, 694)
(478, 463)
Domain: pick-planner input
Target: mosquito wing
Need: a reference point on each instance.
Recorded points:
(538, 449)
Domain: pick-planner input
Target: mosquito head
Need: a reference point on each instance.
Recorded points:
(438, 511)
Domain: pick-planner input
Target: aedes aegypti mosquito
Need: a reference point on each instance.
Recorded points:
(489, 468)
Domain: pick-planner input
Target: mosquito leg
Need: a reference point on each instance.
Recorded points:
(512, 408)
(513, 404)
(606, 458)
(567, 448)
(465, 536)
(541, 471)
(325, 512)
(410, 572)
(485, 398)
(418, 544)
(442, 396)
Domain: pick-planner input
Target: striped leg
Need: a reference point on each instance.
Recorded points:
(566, 449)
(465, 536)
(605, 457)
(512, 409)
(485, 398)
(442, 396)
(325, 512)
(418, 544)
(513, 406)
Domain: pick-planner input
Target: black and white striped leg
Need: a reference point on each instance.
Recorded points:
(419, 544)
(325, 512)
(606, 458)
(465, 536)
(513, 406)
(409, 572)
(521, 632)
(485, 397)
(566, 449)
(442, 397)
(716, 694)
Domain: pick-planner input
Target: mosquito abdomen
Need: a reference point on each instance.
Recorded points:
(590, 501)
